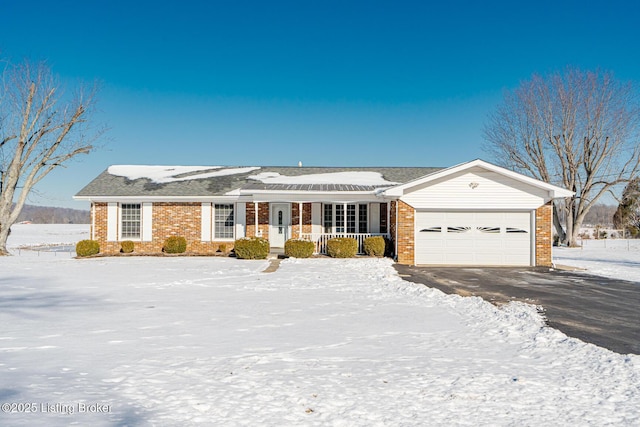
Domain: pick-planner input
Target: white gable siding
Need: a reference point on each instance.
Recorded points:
(112, 222)
(493, 191)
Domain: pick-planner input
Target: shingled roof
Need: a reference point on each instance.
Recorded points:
(233, 179)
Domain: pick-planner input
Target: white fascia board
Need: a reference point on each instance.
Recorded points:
(554, 191)
(225, 199)
(343, 197)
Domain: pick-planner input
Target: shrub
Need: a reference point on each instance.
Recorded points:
(299, 248)
(175, 245)
(389, 248)
(251, 248)
(126, 246)
(342, 247)
(375, 246)
(87, 248)
(222, 248)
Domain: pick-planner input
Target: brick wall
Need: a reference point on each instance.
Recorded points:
(295, 219)
(306, 218)
(250, 228)
(168, 219)
(544, 237)
(405, 233)
(263, 219)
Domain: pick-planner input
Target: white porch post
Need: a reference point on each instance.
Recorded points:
(300, 219)
(255, 208)
(344, 217)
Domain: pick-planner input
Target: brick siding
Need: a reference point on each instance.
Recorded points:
(544, 237)
(405, 233)
(263, 219)
(295, 219)
(168, 219)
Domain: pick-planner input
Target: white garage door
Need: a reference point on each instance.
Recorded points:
(473, 238)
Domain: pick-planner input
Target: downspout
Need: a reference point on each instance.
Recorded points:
(93, 221)
(396, 228)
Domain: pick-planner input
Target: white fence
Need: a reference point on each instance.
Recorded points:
(621, 244)
(321, 239)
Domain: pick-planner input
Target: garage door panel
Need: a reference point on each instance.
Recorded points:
(473, 238)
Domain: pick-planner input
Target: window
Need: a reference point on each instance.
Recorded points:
(383, 217)
(492, 230)
(351, 218)
(355, 216)
(328, 218)
(130, 221)
(223, 221)
(458, 229)
(339, 220)
(362, 219)
(516, 230)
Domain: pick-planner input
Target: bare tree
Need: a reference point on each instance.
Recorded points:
(576, 129)
(627, 216)
(41, 128)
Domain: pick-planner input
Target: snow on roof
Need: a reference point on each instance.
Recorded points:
(165, 174)
(352, 178)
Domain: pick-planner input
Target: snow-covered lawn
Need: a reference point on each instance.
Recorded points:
(214, 341)
(619, 259)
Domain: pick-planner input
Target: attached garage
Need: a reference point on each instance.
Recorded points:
(473, 238)
(475, 213)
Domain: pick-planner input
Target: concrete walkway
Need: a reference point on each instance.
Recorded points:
(274, 264)
(602, 311)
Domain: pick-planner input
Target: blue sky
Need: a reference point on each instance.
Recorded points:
(328, 83)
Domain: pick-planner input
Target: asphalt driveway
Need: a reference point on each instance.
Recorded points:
(602, 311)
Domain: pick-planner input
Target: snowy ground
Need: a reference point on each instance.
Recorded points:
(619, 259)
(213, 341)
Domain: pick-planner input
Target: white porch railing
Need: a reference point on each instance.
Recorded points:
(321, 239)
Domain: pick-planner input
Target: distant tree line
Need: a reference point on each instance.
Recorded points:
(53, 215)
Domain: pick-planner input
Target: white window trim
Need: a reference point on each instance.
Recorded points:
(213, 223)
(113, 223)
(208, 222)
(133, 239)
(146, 216)
(344, 222)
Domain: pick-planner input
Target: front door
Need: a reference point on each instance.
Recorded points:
(280, 227)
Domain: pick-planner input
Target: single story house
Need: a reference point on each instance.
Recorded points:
(475, 213)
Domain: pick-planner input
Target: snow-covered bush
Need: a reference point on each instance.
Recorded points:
(342, 247)
(298, 248)
(126, 246)
(374, 246)
(251, 248)
(87, 248)
(175, 245)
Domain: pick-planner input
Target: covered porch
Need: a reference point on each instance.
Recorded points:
(318, 221)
